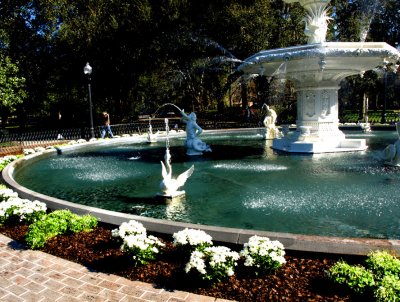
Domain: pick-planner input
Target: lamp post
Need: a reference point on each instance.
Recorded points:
(87, 70)
(383, 118)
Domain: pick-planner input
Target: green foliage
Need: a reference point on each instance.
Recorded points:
(11, 85)
(356, 278)
(383, 264)
(137, 48)
(389, 289)
(380, 277)
(57, 223)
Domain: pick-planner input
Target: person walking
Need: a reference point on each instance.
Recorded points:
(106, 125)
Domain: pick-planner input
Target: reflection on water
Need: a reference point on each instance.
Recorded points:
(243, 183)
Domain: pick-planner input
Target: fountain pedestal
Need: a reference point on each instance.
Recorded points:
(317, 122)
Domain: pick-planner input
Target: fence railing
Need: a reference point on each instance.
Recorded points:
(15, 141)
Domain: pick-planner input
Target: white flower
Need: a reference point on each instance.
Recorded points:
(191, 237)
(131, 227)
(230, 272)
(7, 193)
(20, 207)
(136, 242)
(39, 149)
(9, 158)
(212, 262)
(28, 151)
(196, 261)
(263, 253)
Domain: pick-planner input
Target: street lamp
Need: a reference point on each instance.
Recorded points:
(385, 74)
(87, 70)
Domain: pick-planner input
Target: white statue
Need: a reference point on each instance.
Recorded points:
(170, 185)
(391, 154)
(194, 146)
(270, 115)
(269, 120)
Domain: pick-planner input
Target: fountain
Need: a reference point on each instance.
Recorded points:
(244, 183)
(170, 185)
(316, 70)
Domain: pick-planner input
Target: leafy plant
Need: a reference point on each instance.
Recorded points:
(213, 263)
(356, 277)
(389, 289)
(263, 254)
(381, 276)
(383, 264)
(57, 223)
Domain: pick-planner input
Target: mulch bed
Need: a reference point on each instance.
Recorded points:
(302, 278)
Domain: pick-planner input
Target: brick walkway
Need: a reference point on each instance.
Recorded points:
(27, 275)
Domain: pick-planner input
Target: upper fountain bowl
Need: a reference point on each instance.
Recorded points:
(315, 64)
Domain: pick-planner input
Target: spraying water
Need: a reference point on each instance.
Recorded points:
(368, 10)
(167, 104)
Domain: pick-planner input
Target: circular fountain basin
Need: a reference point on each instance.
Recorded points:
(242, 184)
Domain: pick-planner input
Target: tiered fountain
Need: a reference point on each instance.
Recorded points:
(316, 70)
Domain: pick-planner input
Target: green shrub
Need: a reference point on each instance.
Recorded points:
(389, 289)
(57, 223)
(355, 277)
(382, 276)
(383, 264)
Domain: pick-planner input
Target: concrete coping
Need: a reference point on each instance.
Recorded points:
(292, 242)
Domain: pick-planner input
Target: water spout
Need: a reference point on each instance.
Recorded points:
(167, 104)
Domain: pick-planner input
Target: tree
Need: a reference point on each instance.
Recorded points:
(12, 90)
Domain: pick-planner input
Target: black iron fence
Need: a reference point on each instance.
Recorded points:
(14, 141)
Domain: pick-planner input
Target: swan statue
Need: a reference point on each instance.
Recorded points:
(170, 185)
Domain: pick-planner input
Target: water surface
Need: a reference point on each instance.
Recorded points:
(243, 183)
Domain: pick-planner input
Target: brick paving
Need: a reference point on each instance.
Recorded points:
(27, 275)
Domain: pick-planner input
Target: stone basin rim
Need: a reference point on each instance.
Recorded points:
(291, 241)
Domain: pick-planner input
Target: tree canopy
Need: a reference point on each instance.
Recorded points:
(145, 53)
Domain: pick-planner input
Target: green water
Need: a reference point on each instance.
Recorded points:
(243, 183)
